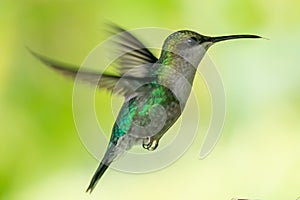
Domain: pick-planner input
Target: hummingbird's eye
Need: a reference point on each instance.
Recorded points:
(192, 41)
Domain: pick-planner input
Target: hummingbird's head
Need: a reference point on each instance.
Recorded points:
(192, 46)
(184, 40)
(187, 44)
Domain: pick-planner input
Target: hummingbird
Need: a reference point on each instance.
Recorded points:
(155, 90)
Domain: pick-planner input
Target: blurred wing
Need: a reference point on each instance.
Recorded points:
(122, 85)
(131, 68)
(135, 58)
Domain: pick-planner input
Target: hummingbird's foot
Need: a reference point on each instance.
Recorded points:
(150, 143)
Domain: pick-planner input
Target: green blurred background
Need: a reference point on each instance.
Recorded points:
(258, 154)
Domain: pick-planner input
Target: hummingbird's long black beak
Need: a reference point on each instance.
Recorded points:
(231, 37)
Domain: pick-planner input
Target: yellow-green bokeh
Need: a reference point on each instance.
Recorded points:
(41, 156)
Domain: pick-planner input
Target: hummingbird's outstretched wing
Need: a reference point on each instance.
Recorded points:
(134, 57)
(131, 68)
(109, 81)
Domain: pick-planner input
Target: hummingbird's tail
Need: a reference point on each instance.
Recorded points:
(99, 172)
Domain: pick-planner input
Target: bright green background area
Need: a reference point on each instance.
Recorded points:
(257, 157)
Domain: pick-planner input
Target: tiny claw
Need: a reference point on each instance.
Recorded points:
(153, 147)
(147, 143)
(150, 144)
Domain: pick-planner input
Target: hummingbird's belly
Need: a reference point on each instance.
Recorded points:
(147, 116)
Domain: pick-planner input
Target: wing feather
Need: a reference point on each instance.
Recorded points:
(130, 70)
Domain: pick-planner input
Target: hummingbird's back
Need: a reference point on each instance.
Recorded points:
(144, 118)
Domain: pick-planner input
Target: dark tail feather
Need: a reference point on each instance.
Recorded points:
(99, 172)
